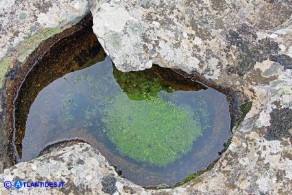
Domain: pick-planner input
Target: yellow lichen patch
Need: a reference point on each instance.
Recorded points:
(22, 51)
(33, 42)
(3, 69)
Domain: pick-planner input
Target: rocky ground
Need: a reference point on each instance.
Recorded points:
(245, 46)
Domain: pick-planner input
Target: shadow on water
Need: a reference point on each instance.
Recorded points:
(154, 126)
(73, 53)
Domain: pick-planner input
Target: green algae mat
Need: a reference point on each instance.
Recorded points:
(153, 131)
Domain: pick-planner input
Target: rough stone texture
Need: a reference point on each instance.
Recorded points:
(281, 123)
(203, 36)
(85, 171)
(244, 45)
(24, 24)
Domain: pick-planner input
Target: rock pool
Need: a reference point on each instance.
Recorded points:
(155, 126)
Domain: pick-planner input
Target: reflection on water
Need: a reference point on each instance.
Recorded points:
(153, 125)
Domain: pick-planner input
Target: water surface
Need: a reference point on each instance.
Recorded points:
(153, 125)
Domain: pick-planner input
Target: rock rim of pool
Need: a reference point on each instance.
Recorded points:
(243, 45)
(52, 104)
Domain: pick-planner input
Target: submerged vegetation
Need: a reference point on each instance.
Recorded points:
(189, 178)
(139, 114)
(141, 85)
(152, 131)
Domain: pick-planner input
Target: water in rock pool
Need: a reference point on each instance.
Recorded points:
(153, 125)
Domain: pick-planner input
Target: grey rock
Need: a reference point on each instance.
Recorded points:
(94, 175)
(109, 184)
(242, 45)
(283, 59)
(281, 124)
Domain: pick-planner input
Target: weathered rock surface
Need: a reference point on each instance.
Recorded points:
(24, 24)
(85, 171)
(243, 45)
(204, 36)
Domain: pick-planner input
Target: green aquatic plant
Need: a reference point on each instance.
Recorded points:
(225, 145)
(188, 178)
(141, 85)
(153, 131)
(204, 113)
(245, 108)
